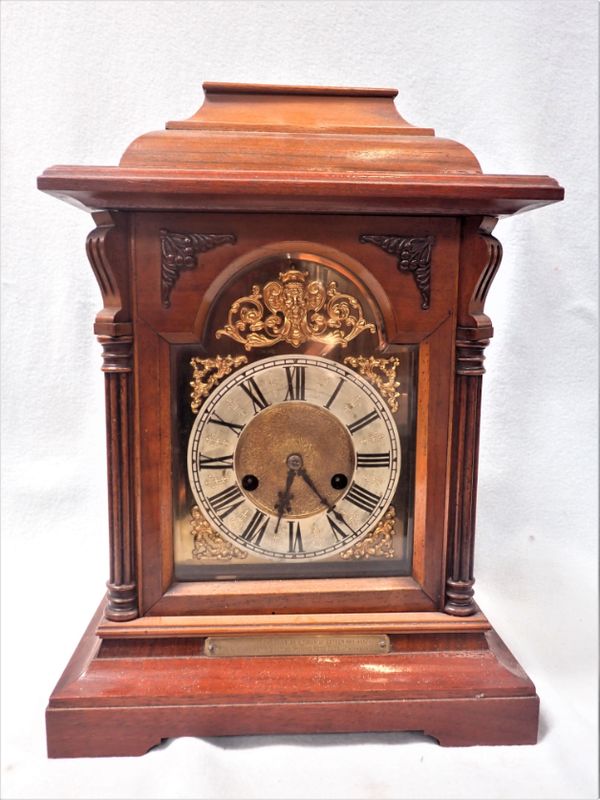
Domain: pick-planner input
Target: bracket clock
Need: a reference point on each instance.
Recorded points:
(293, 286)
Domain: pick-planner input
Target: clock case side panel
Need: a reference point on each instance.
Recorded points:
(157, 328)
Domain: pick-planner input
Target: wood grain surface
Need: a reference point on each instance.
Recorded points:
(465, 690)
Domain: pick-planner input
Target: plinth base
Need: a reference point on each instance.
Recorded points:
(123, 696)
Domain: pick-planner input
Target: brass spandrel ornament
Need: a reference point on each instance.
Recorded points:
(289, 310)
(208, 372)
(377, 544)
(381, 373)
(208, 544)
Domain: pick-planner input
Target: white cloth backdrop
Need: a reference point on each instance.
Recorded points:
(515, 82)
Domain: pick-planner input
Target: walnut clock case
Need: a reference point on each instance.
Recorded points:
(293, 334)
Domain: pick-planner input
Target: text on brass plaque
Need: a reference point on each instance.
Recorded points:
(319, 645)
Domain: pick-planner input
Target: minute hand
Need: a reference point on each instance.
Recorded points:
(329, 506)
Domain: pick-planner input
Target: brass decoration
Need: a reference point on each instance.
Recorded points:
(378, 543)
(208, 372)
(287, 310)
(381, 373)
(297, 645)
(267, 440)
(208, 544)
(414, 256)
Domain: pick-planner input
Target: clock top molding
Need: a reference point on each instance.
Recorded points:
(298, 149)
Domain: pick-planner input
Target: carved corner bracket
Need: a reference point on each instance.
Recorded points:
(179, 253)
(106, 247)
(413, 254)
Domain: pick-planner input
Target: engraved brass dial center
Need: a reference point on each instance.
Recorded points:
(300, 437)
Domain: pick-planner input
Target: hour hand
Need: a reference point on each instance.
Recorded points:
(282, 504)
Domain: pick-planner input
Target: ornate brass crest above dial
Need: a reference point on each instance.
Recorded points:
(295, 310)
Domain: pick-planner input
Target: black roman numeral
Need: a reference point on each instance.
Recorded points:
(296, 381)
(295, 537)
(233, 426)
(339, 533)
(226, 501)
(253, 391)
(220, 462)
(256, 528)
(336, 391)
(362, 497)
(363, 422)
(369, 460)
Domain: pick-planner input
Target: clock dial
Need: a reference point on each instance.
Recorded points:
(294, 458)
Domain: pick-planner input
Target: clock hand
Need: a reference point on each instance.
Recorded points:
(330, 507)
(283, 498)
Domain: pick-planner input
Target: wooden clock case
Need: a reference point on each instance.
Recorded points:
(338, 172)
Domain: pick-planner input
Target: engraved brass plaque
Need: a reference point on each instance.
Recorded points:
(318, 645)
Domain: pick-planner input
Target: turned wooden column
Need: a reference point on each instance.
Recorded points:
(117, 368)
(480, 258)
(107, 252)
